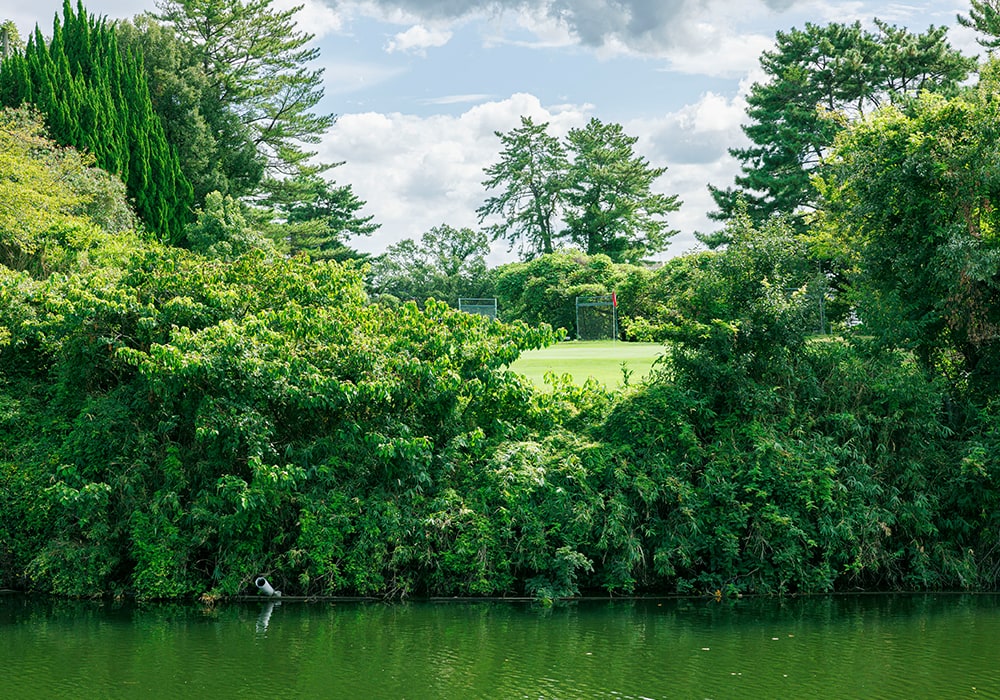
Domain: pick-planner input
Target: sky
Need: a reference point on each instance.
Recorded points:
(420, 88)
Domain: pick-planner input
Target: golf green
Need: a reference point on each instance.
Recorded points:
(604, 360)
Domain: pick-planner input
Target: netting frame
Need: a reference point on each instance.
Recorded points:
(598, 301)
(484, 306)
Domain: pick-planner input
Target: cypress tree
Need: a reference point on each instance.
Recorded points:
(96, 98)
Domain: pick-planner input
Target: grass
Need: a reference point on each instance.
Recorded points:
(600, 359)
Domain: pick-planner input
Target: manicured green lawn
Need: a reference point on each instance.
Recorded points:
(600, 359)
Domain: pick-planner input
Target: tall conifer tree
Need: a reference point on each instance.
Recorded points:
(818, 80)
(984, 17)
(96, 98)
(260, 87)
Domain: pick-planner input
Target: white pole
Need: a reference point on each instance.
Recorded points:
(614, 316)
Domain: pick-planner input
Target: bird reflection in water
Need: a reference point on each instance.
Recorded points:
(265, 615)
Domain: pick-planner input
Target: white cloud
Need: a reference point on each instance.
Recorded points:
(417, 39)
(717, 53)
(315, 17)
(456, 99)
(612, 27)
(693, 144)
(696, 134)
(547, 32)
(964, 39)
(419, 172)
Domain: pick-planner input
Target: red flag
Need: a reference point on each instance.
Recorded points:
(614, 300)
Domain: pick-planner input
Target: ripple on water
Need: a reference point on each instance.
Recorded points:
(865, 646)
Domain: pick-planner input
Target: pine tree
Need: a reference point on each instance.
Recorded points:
(984, 17)
(256, 62)
(309, 213)
(610, 204)
(819, 79)
(529, 178)
(594, 183)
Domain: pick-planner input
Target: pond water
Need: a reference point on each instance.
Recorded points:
(869, 646)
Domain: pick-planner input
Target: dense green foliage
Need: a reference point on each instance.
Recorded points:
(447, 264)
(544, 290)
(187, 417)
(176, 422)
(53, 199)
(911, 197)
(95, 97)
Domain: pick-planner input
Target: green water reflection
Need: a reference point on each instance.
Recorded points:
(923, 646)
